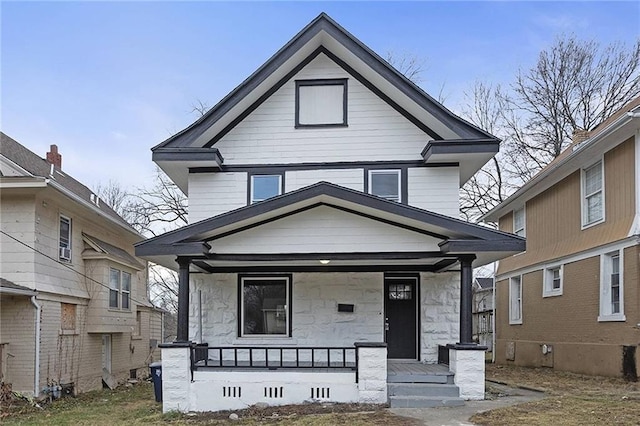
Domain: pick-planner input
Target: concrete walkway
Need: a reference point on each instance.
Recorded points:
(502, 396)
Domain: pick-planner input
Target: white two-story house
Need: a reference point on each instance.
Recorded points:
(324, 237)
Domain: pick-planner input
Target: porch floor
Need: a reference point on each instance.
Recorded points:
(411, 372)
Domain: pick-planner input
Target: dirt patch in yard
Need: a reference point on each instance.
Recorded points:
(573, 399)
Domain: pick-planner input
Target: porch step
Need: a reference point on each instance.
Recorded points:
(423, 389)
(424, 401)
(446, 378)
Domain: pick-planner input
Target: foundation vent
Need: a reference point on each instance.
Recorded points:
(273, 392)
(231, 392)
(320, 393)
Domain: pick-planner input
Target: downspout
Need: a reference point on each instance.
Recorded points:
(493, 315)
(36, 379)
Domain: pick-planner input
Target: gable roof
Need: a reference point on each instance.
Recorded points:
(35, 166)
(322, 32)
(324, 35)
(456, 236)
(613, 131)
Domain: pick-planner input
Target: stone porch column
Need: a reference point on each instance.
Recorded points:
(183, 299)
(176, 377)
(372, 372)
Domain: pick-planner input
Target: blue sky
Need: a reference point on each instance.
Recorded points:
(106, 81)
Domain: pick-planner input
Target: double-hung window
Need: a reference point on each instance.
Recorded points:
(264, 187)
(611, 287)
(592, 195)
(321, 103)
(385, 184)
(519, 222)
(552, 281)
(515, 300)
(64, 242)
(119, 289)
(265, 304)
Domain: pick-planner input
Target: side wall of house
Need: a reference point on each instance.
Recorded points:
(568, 323)
(17, 335)
(316, 320)
(17, 218)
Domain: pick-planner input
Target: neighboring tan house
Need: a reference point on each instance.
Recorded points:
(74, 308)
(324, 238)
(572, 300)
(483, 312)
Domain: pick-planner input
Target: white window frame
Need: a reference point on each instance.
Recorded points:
(252, 199)
(61, 244)
(515, 299)
(287, 307)
(606, 311)
(120, 292)
(398, 172)
(522, 232)
(549, 278)
(584, 196)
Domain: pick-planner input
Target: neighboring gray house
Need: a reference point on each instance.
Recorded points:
(74, 308)
(324, 232)
(483, 326)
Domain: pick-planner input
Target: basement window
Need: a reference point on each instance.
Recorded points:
(321, 103)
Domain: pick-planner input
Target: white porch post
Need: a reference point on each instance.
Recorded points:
(372, 372)
(176, 377)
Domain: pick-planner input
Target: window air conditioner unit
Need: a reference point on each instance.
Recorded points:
(65, 253)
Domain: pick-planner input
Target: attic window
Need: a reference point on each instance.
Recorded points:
(321, 103)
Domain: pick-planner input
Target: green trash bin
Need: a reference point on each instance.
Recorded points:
(156, 376)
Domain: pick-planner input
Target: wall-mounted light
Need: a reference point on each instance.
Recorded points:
(325, 261)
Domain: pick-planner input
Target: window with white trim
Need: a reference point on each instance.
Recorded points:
(592, 195)
(64, 242)
(265, 306)
(265, 186)
(515, 300)
(519, 222)
(611, 287)
(119, 289)
(385, 184)
(552, 281)
(321, 103)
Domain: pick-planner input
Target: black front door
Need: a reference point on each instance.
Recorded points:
(400, 306)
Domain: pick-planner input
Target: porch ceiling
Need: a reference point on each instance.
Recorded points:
(353, 230)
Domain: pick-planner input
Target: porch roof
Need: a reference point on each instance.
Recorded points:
(434, 241)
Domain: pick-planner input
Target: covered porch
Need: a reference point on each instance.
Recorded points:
(356, 278)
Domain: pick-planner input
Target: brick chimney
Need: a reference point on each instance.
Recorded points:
(55, 158)
(579, 135)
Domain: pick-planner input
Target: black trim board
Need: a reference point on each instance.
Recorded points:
(187, 154)
(337, 165)
(275, 257)
(319, 268)
(461, 146)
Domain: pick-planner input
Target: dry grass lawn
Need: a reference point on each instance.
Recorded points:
(573, 399)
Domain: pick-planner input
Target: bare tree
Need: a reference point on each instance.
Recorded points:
(200, 107)
(575, 84)
(411, 66)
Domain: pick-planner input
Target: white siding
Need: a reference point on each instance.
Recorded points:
(324, 229)
(349, 178)
(375, 130)
(211, 194)
(435, 189)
